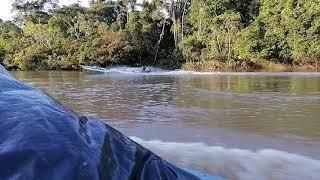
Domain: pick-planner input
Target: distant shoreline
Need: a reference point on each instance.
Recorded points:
(217, 66)
(197, 70)
(250, 66)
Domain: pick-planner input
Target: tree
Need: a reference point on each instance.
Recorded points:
(10, 38)
(303, 24)
(223, 33)
(285, 30)
(214, 30)
(33, 10)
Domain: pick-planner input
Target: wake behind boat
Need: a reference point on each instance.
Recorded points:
(123, 69)
(149, 70)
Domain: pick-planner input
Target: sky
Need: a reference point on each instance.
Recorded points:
(5, 7)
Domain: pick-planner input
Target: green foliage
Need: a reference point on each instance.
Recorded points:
(215, 26)
(105, 48)
(212, 33)
(285, 31)
(32, 10)
(303, 20)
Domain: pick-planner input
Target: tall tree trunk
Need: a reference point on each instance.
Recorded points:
(229, 45)
(217, 37)
(200, 23)
(218, 42)
(127, 15)
(174, 24)
(199, 30)
(182, 18)
(159, 41)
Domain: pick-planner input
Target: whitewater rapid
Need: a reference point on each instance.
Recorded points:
(236, 164)
(158, 71)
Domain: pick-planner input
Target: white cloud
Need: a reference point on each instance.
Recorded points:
(5, 7)
(68, 2)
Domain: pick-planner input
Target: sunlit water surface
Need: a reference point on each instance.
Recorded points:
(243, 111)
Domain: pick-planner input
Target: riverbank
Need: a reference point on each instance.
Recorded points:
(211, 66)
(250, 66)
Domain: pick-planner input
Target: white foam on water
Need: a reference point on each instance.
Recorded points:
(158, 71)
(125, 70)
(236, 164)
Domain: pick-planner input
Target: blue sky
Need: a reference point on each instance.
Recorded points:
(5, 7)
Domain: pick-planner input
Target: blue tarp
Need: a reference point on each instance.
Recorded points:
(41, 139)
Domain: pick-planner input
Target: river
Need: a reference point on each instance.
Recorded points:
(200, 120)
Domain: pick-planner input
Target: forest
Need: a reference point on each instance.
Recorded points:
(186, 34)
